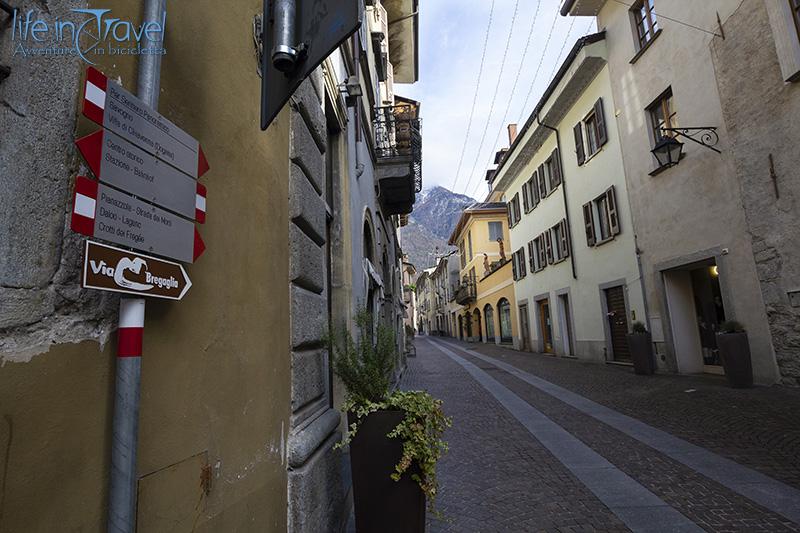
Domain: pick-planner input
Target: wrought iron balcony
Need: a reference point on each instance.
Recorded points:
(466, 294)
(398, 144)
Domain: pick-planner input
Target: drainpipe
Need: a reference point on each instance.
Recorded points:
(642, 284)
(125, 425)
(564, 194)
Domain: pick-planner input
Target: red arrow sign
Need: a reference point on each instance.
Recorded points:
(107, 103)
(106, 213)
(122, 164)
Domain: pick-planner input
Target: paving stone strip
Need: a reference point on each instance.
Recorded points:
(496, 475)
(637, 507)
(767, 492)
(704, 501)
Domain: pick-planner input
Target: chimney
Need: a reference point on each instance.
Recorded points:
(512, 134)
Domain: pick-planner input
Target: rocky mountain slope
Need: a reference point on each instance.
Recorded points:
(435, 215)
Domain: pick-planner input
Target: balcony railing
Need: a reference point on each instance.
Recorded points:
(466, 294)
(398, 144)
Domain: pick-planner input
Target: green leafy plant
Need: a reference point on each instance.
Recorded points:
(731, 326)
(638, 327)
(365, 367)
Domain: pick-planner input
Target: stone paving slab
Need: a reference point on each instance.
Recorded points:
(710, 505)
(496, 476)
(758, 428)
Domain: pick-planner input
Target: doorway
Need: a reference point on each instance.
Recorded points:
(525, 326)
(696, 309)
(617, 315)
(565, 317)
(545, 325)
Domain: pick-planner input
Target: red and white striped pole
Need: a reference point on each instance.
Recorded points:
(122, 496)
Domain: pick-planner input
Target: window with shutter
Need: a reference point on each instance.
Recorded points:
(542, 252)
(611, 205)
(588, 221)
(509, 214)
(523, 271)
(517, 215)
(535, 189)
(578, 129)
(564, 239)
(531, 259)
(542, 181)
(602, 134)
(548, 243)
(514, 266)
(553, 170)
(525, 200)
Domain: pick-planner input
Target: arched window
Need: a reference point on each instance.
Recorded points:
(488, 317)
(369, 246)
(504, 310)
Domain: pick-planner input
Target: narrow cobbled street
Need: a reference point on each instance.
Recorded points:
(550, 444)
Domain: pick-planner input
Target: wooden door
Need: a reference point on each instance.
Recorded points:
(525, 327)
(546, 326)
(618, 323)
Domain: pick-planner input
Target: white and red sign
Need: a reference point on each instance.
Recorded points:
(107, 103)
(106, 213)
(124, 165)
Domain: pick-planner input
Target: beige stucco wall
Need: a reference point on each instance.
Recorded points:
(693, 210)
(215, 369)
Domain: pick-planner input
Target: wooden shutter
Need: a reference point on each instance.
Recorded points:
(542, 181)
(579, 143)
(564, 239)
(525, 200)
(588, 221)
(531, 260)
(508, 214)
(613, 216)
(602, 134)
(555, 178)
(542, 252)
(514, 265)
(535, 188)
(517, 215)
(548, 244)
(523, 270)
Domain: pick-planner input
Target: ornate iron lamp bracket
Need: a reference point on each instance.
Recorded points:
(704, 136)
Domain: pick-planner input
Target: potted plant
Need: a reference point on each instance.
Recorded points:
(394, 436)
(640, 343)
(734, 350)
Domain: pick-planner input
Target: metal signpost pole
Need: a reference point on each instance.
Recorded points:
(122, 493)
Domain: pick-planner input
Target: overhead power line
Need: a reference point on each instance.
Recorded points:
(513, 89)
(494, 96)
(475, 97)
(539, 66)
(662, 16)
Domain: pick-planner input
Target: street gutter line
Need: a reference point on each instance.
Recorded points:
(770, 493)
(637, 507)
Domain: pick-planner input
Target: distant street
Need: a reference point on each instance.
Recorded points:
(550, 444)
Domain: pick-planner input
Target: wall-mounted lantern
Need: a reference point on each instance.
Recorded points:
(668, 150)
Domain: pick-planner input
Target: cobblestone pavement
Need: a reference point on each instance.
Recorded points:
(498, 477)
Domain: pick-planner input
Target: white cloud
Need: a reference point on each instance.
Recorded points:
(452, 34)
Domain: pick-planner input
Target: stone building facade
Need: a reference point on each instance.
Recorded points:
(761, 108)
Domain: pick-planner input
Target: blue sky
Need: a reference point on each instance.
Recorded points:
(452, 35)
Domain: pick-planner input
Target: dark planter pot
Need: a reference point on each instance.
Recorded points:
(641, 346)
(383, 505)
(735, 353)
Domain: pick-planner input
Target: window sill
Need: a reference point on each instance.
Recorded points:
(644, 48)
(601, 243)
(590, 157)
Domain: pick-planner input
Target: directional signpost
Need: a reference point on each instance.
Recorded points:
(106, 213)
(108, 104)
(124, 165)
(113, 269)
